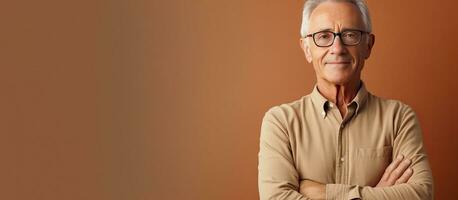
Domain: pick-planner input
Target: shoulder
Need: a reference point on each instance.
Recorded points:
(279, 119)
(401, 114)
(288, 111)
(394, 106)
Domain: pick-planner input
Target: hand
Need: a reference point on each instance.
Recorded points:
(313, 190)
(396, 173)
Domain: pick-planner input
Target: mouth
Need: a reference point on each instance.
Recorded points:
(338, 62)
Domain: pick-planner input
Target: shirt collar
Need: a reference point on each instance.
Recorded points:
(322, 104)
(361, 97)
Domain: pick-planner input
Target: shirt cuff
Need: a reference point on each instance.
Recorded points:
(342, 192)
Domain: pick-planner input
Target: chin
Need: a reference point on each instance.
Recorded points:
(338, 79)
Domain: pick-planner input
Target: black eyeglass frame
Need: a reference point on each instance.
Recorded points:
(335, 35)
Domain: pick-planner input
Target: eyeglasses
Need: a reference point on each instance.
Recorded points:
(326, 38)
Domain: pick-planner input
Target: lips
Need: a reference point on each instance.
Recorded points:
(338, 62)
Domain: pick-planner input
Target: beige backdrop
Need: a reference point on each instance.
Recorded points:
(148, 99)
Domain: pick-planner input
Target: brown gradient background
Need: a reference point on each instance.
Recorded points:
(164, 99)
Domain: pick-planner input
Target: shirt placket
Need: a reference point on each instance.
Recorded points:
(342, 146)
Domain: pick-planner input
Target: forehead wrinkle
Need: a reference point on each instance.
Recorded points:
(335, 15)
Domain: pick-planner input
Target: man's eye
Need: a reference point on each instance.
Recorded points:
(324, 36)
(350, 35)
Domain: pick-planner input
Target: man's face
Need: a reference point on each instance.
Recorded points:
(337, 64)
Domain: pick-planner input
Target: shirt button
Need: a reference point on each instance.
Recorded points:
(342, 125)
(323, 113)
(331, 106)
(342, 159)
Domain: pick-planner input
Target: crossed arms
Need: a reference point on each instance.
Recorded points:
(407, 177)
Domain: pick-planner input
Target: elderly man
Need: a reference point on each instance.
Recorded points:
(340, 141)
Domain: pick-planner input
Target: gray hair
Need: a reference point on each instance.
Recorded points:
(310, 5)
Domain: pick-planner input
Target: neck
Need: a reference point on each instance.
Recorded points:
(340, 95)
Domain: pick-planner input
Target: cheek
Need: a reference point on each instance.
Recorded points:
(361, 53)
(318, 56)
(357, 57)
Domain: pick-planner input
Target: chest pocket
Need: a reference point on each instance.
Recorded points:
(370, 164)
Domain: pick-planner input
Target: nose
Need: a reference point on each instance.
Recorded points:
(338, 47)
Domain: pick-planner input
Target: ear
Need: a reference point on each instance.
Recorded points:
(370, 44)
(306, 48)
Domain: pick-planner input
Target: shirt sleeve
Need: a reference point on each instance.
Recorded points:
(409, 142)
(277, 176)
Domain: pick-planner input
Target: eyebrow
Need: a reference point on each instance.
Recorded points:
(326, 29)
(344, 29)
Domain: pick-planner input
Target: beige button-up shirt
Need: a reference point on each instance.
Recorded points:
(308, 139)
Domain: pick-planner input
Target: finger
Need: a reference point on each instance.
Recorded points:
(391, 167)
(405, 177)
(399, 170)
